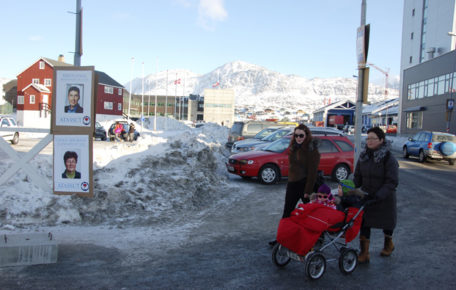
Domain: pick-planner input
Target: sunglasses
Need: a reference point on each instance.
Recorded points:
(299, 135)
(322, 196)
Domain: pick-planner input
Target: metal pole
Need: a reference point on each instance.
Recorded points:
(142, 97)
(78, 42)
(155, 109)
(175, 95)
(131, 83)
(359, 100)
(166, 102)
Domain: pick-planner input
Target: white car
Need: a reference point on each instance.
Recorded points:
(8, 122)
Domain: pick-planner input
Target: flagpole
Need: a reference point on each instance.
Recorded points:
(166, 102)
(183, 94)
(142, 97)
(155, 110)
(131, 83)
(148, 103)
(175, 96)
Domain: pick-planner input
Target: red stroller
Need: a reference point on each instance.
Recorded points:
(310, 230)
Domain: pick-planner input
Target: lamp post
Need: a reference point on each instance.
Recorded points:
(131, 81)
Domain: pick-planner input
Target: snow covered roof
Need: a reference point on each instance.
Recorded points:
(40, 88)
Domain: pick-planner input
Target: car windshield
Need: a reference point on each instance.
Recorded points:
(443, 138)
(265, 132)
(276, 135)
(278, 146)
(13, 122)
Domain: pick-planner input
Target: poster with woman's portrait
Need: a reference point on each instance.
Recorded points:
(73, 96)
(72, 164)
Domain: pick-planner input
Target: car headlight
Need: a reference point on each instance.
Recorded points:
(249, 162)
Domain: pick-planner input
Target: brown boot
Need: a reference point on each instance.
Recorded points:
(363, 257)
(388, 247)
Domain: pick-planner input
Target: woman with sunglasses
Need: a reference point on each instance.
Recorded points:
(303, 158)
(377, 173)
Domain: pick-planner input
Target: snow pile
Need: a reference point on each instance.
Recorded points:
(153, 180)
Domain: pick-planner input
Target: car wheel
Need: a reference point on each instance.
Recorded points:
(269, 174)
(447, 148)
(451, 161)
(15, 139)
(103, 138)
(422, 156)
(340, 172)
(405, 153)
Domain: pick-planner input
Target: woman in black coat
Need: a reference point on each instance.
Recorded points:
(377, 173)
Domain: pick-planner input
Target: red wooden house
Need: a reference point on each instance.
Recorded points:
(34, 94)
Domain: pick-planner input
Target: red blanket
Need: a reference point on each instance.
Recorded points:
(302, 229)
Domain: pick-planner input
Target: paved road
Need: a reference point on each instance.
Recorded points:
(229, 248)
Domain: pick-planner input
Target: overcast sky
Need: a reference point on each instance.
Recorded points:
(302, 37)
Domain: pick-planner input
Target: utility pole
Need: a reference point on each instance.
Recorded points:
(78, 42)
(363, 76)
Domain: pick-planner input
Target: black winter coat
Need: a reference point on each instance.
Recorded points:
(377, 173)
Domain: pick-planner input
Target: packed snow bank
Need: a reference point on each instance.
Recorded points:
(164, 175)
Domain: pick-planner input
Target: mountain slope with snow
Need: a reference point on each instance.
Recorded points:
(255, 85)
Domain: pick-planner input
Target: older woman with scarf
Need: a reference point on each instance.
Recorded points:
(377, 173)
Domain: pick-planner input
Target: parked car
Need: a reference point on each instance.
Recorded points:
(242, 130)
(253, 145)
(124, 134)
(238, 146)
(431, 145)
(9, 122)
(100, 132)
(391, 129)
(270, 164)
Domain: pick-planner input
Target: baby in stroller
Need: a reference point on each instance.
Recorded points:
(315, 226)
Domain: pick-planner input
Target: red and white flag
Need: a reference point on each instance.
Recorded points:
(216, 84)
(177, 82)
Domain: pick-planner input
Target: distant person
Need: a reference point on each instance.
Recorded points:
(131, 132)
(377, 174)
(73, 100)
(70, 159)
(118, 129)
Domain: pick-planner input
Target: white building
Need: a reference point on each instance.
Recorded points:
(219, 106)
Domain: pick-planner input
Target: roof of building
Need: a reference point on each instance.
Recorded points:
(343, 104)
(38, 87)
(105, 79)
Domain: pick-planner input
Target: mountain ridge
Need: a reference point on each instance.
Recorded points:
(255, 85)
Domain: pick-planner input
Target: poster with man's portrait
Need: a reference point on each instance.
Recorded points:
(72, 164)
(73, 95)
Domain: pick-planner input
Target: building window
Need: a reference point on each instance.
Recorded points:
(20, 100)
(36, 81)
(415, 120)
(120, 92)
(108, 105)
(108, 90)
(41, 64)
(119, 106)
(411, 35)
(413, 12)
(410, 60)
(48, 82)
(32, 99)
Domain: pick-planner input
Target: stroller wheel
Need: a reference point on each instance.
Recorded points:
(279, 256)
(348, 260)
(315, 265)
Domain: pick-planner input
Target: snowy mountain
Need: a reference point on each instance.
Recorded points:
(257, 86)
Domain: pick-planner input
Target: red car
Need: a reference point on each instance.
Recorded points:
(271, 163)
